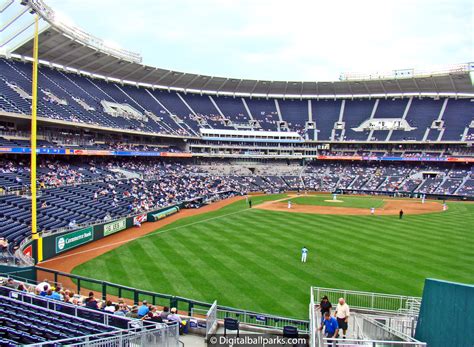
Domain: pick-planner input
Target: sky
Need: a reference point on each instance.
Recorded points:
(296, 40)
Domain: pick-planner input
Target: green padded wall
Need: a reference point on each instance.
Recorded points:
(446, 314)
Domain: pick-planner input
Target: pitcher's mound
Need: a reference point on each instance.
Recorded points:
(333, 200)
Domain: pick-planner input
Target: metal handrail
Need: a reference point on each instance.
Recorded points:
(398, 301)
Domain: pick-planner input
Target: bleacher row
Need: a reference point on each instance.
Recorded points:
(110, 195)
(27, 319)
(75, 98)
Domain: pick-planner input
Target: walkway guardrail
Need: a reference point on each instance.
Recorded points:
(372, 301)
(374, 329)
(369, 343)
(211, 320)
(79, 312)
(162, 335)
(256, 319)
(189, 306)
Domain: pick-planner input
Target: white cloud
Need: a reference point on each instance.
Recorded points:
(301, 39)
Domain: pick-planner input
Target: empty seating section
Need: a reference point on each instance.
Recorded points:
(355, 112)
(457, 116)
(205, 109)
(233, 109)
(76, 98)
(177, 107)
(325, 114)
(388, 108)
(421, 114)
(28, 323)
(264, 112)
(295, 112)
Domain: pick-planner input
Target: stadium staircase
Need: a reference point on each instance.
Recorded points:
(464, 180)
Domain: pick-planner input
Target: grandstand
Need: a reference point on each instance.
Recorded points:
(120, 143)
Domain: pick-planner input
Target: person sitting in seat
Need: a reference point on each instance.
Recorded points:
(91, 302)
(173, 316)
(165, 313)
(143, 309)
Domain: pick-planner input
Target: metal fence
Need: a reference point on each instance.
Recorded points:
(372, 301)
(391, 323)
(403, 324)
(263, 320)
(79, 312)
(211, 320)
(106, 289)
(314, 335)
(374, 329)
(161, 335)
(369, 343)
(253, 319)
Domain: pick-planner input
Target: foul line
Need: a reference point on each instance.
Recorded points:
(156, 232)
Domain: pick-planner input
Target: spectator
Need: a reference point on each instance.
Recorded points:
(41, 286)
(56, 294)
(45, 290)
(121, 310)
(3, 244)
(173, 316)
(10, 283)
(331, 327)
(153, 316)
(324, 306)
(109, 307)
(91, 302)
(165, 313)
(342, 314)
(22, 288)
(143, 309)
(133, 313)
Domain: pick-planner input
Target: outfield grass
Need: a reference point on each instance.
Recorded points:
(347, 201)
(250, 258)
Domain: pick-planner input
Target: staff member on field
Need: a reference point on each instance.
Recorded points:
(342, 314)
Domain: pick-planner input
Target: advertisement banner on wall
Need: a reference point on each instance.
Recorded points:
(138, 220)
(164, 213)
(114, 227)
(74, 239)
(28, 251)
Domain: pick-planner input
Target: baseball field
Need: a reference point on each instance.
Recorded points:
(250, 258)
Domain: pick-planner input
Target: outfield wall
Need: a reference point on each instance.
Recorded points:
(446, 314)
(53, 244)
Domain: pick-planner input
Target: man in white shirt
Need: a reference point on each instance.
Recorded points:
(342, 314)
(41, 286)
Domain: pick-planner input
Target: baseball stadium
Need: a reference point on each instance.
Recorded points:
(142, 206)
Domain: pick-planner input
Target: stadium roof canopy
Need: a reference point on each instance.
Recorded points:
(69, 47)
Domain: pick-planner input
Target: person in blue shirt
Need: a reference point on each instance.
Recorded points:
(331, 328)
(143, 309)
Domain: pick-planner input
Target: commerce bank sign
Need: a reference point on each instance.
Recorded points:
(74, 239)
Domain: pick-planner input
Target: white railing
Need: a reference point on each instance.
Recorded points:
(403, 324)
(162, 335)
(369, 343)
(313, 325)
(405, 73)
(254, 319)
(211, 320)
(404, 305)
(377, 330)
